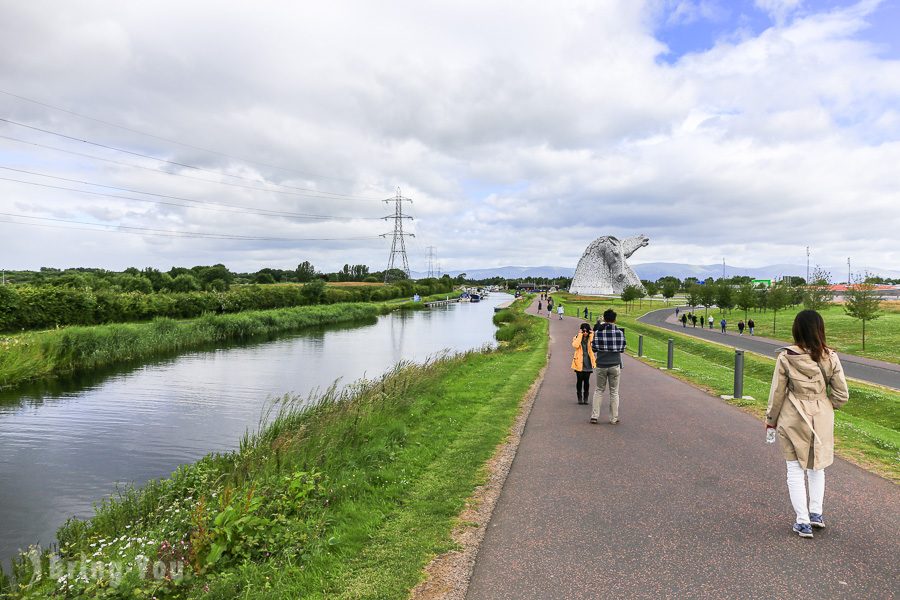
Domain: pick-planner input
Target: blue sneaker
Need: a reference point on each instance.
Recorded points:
(803, 530)
(817, 520)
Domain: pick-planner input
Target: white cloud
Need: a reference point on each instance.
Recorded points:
(522, 131)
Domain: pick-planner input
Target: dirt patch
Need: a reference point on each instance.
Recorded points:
(447, 576)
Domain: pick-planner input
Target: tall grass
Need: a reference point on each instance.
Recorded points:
(51, 353)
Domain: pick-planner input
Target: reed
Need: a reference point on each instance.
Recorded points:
(32, 356)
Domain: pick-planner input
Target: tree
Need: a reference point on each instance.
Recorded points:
(313, 291)
(818, 295)
(264, 278)
(218, 272)
(651, 287)
(778, 297)
(630, 293)
(707, 296)
(669, 288)
(724, 296)
(745, 299)
(135, 283)
(184, 283)
(305, 271)
(862, 303)
(693, 294)
(392, 275)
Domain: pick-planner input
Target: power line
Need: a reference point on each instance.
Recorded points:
(175, 233)
(169, 140)
(157, 171)
(238, 209)
(336, 195)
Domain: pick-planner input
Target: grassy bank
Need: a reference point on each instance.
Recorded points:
(346, 497)
(867, 429)
(38, 355)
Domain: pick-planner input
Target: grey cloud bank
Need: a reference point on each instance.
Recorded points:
(564, 116)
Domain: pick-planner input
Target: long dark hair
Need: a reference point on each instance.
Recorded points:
(809, 333)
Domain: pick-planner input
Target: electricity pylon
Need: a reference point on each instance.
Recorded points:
(430, 262)
(398, 243)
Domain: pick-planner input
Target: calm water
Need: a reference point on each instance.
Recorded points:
(68, 444)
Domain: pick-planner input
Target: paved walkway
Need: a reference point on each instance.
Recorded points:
(683, 499)
(857, 367)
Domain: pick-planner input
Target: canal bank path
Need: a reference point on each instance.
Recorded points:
(682, 499)
(869, 370)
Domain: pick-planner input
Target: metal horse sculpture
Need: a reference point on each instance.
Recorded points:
(602, 269)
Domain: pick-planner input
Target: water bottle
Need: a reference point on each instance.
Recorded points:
(770, 436)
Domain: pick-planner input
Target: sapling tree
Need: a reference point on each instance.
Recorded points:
(693, 294)
(669, 288)
(707, 296)
(817, 294)
(630, 294)
(862, 303)
(779, 296)
(745, 299)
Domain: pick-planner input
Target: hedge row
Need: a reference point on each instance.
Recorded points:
(27, 307)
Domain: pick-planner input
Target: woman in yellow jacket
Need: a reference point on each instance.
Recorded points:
(583, 362)
(807, 386)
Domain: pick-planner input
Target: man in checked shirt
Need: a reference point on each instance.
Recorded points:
(609, 344)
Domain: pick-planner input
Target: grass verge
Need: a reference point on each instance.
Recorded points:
(867, 428)
(38, 355)
(347, 496)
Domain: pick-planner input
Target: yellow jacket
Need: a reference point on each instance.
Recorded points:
(577, 357)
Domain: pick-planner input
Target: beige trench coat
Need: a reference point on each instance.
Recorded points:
(801, 407)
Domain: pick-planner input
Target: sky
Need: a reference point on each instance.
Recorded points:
(266, 134)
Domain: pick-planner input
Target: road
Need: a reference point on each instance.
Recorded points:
(857, 367)
(683, 499)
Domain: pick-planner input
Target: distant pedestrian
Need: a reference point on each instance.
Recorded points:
(723, 323)
(710, 321)
(560, 311)
(741, 327)
(808, 385)
(540, 306)
(583, 362)
(609, 344)
(751, 325)
(585, 313)
(684, 320)
(676, 312)
(694, 320)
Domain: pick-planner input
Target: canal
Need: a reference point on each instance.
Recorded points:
(69, 443)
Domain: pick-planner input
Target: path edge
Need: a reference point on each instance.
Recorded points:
(447, 575)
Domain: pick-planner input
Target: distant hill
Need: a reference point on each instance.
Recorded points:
(654, 271)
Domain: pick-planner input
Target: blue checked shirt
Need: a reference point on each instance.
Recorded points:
(608, 345)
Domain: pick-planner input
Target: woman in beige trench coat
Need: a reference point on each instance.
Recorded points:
(807, 386)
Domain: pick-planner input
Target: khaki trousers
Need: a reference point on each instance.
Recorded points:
(604, 375)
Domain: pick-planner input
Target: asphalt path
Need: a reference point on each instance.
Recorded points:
(857, 367)
(682, 499)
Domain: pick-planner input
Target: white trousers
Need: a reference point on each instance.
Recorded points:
(796, 480)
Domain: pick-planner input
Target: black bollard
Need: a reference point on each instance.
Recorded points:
(738, 374)
(670, 362)
(640, 345)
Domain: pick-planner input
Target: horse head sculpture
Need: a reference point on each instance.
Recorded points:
(602, 268)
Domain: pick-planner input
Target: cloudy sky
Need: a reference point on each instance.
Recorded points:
(271, 131)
